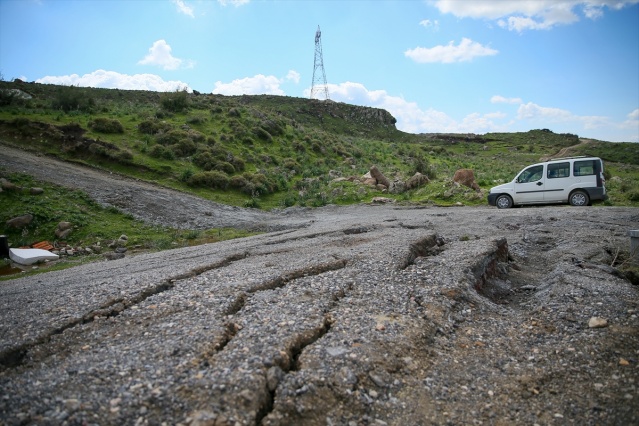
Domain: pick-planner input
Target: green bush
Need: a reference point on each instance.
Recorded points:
(159, 151)
(7, 97)
(176, 101)
(263, 134)
(186, 175)
(106, 125)
(212, 179)
(225, 167)
(151, 127)
(633, 195)
(184, 148)
(171, 137)
(238, 163)
(70, 98)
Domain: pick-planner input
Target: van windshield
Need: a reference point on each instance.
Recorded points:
(531, 174)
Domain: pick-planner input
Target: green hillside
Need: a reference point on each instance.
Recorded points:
(274, 151)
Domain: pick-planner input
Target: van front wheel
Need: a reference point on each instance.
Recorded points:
(579, 198)
(504, 202)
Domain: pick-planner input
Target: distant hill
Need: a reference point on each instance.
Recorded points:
(274, 151)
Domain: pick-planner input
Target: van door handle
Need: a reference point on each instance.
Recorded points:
(539, 183)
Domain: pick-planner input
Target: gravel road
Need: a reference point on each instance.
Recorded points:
(360, 315)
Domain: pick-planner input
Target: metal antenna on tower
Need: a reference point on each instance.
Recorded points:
(319, 78)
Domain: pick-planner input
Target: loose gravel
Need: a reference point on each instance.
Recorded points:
(360, 315)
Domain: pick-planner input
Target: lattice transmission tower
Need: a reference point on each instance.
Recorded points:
(319, 75)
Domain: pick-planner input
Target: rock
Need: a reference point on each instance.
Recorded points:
(36, 191)
(63, 226)
(113, 255)
(9, 186)
(63, 234)
(416, 181)
(20, 221)
(273, 377)
(397, 187)
(379, 176)
(466, 177)
(336, 350)
(382, 200)
(120, 249)
(123, 237)
(596, 322)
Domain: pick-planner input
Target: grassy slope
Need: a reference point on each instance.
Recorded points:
(270, 151)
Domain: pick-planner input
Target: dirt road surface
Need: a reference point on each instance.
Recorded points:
(360, 315)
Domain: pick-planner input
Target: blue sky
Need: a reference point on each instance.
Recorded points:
(463, 66)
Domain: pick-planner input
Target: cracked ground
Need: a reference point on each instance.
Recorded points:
(361, 315)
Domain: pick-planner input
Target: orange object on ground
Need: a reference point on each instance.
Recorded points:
(44, 245)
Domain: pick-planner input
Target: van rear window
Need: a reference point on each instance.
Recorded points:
(584, 168)
(558, 170)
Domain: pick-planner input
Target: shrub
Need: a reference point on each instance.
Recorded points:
(176, 101)
(151, 127)
(263, 134)
(225, 167)
(196, 119)
(7, 97)
(213, 179)
(186, 175)
(272, 127)
(238, 182)
(158, 151)
(106, 125)
(204, 160)
(171, 137)
(291, 164)
(184, 148)
(238, 163)
(124, 156)
(253, 203)
(70, 98)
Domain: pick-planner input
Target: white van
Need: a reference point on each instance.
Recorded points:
(575, 180)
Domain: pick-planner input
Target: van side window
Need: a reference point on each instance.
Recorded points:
(531, 174)
(584, 168)
(559, 170)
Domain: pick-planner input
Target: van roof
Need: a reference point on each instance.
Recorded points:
(570, 158)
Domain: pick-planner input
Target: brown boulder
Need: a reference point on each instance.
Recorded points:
(379, 176)
(466, 177)
(20, 221)
(9, 186)
(416, 181)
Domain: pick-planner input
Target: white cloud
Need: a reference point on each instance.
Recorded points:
(257, 85)
(410, 117)
(293, 76)
(184, 8)
(115, 80)
(235, 3)
(432, 25)
(502, 100)
(466, 50)
(520, 15)
(160, 55)
(536, 113)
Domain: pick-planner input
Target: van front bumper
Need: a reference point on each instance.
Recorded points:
(492, 198)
